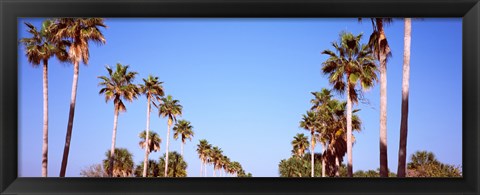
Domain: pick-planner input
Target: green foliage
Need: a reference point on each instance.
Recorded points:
(177, 167)
(153, 170)
(424, 164)
(300, 167)
(122, 162)
(183, 129)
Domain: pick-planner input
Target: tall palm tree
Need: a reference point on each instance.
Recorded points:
(216, 156)
(402, 151)
(319, 102)
(379, 45)
(152, 145)
(300, 144)
(184, 130)
(153, 90)
(79, 32)
(202, 149)
(169, 108)
(117, 86)
(309, 122)
(177, 167)
(40, 48)
(352, 63)
(123, 163)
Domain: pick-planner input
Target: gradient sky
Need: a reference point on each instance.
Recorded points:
(244, 85)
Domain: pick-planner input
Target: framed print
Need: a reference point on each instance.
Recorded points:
(250, 97)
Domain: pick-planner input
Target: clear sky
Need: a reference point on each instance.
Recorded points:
(244, 85)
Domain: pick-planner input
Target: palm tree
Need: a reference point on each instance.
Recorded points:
(225, 162)
(123, 163)
(117, 86)
(177, 167)
(309, 122)
(183, 129)
(153, 144)
(153, 90)
(78, 31)
(216, 156)
(353, 63)
(319, 102)
(379, 45)
(170, 108)
(300, 144)
(236, 166)
(202, 149)
(153, 169)
(39, 49)
(402, 151)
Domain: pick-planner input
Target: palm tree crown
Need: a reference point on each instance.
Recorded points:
(154, 141)
(300, 144)
(118, 85)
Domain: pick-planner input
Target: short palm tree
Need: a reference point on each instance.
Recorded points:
(153, 90)
(118, 86)
(320, 102)
(177, 167)
(225, 163)
(352, 63)
(183, 129)
(309, 122)
(79, 32)
(216, 156)
(202, 149)
(153, 143)
(40, 48)
(169, 108)
(153, 170)
(300, 144)
(123, 163)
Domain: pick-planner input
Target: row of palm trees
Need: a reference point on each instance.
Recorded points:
(351, 65)
(209, 154)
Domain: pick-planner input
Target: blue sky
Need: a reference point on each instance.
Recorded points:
(244, 85)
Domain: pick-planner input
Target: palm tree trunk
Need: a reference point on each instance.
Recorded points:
(168, 140)
(45, 120)
(311, 154)
(402, 151)
(201, 167)
(71, 114)
(323, 160)
(181, 146)
(337, 166)
(214, 171)
(383, 104)
(349, 130)
(147, 138)
(114, 136)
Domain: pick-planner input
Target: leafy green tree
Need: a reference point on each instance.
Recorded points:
(118, 86)
(177, 167)
(39, 48)
(153, 169)
(122, 163)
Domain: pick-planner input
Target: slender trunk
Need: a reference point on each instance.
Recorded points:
(312, 146)
(205, 168)
(337, 166)
(402, 151)
(383, 104)
(214, 171)
(323, 159)
(349, 131)
(147, 138)
(181, 150)
(168, 140)
(71, 114)
(201, 167)
(45, 120)
(112, 148)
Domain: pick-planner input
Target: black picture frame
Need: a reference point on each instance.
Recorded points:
(10, 10)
